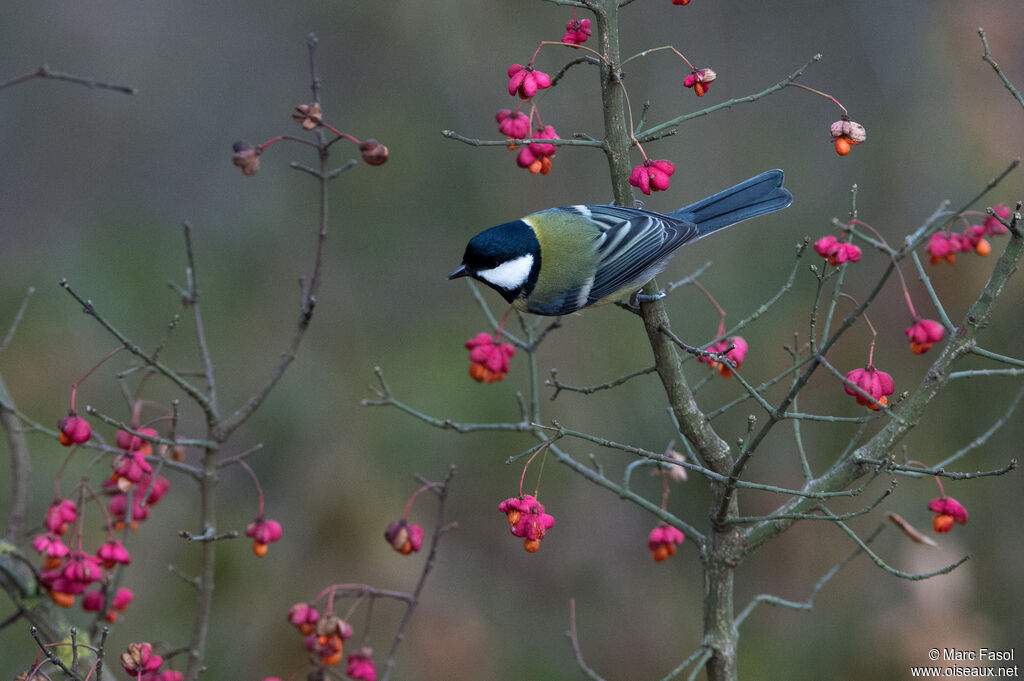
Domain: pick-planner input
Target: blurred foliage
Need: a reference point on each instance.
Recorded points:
(96, 185)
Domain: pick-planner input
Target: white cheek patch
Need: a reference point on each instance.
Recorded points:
(509, 275)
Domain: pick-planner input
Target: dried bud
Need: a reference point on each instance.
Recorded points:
(247, 157)
(28, 675)
(140, 659)
(374, 153)
(844, 127)
(673, 473)
(910, 530)
(309, 116)
(333, 626)
(175, 452)
(706, 75)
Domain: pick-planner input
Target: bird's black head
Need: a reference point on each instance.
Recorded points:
(506, 258)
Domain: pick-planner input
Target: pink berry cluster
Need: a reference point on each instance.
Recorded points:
(263, 532)
(74, 430)
(652, 176)
(877, 384)
(947, 510)
(69, 572)
(663, 541)
(527, 81)
(533, 156)
(527, 520)
(133, 473)
(325, 637)
(404, 537)
(943, 246)
(577, 31)
(837, 252)
(923, 333)
(488, 359)
(700, 80)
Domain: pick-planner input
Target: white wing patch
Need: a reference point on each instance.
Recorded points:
(582, 210)
(581, 299)
(509, 275)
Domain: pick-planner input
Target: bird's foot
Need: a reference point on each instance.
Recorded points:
(638, 298)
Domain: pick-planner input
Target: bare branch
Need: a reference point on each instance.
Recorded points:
(809, 603)
(17, 319)
(651, 132)
(440, 527)
(885, 566)
(987, 58)
(574, 640)
(44, 71)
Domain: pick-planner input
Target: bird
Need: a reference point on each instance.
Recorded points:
(561, 260)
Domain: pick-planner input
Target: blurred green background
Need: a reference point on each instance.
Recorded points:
(95, 186)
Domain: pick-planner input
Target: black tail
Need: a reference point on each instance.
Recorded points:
(757, 196)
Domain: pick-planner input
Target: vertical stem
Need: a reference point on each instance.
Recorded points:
(720, 558)
(204, 581)
(721, 551)
(616, 121)
(21, 468)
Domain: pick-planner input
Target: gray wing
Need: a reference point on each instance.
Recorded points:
(633, 246)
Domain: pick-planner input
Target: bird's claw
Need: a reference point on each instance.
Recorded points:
(638, 297)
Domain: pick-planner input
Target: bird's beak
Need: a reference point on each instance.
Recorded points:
(460, 271)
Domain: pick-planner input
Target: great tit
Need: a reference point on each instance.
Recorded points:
(564, 259)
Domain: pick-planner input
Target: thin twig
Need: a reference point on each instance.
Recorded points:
(981, 439)
(939, 471)
(574, 641)
(809, 603)
(651, 132)
(812, 516)
(387, 399)
(87, 306)
(193, 302)
(49, 654)
(590, 389)
(585, 59)
(17, 319)
(987, 58)
(309, 298)
(440, 527)
(44, 71)
(558, 142)
(885, 566)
